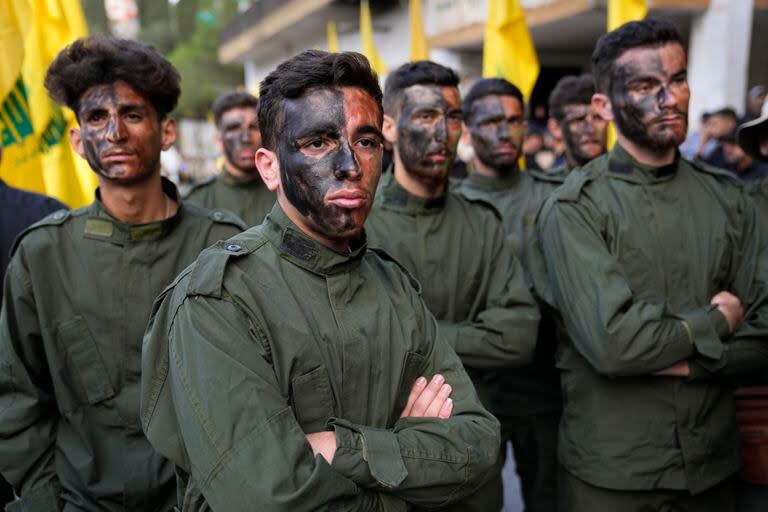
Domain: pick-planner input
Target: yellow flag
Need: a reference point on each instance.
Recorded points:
(35, 131)
(333, 37)
(619, 13)
(624, 11)
(419, 44)
(508, 50)
(366, 35)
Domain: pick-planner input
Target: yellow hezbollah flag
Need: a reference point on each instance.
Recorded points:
(35, 131)
(419, 44)
(333, 37)
(366, 35)
(619, 13)
(508, 50)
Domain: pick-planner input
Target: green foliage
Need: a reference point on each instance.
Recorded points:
(188, 33)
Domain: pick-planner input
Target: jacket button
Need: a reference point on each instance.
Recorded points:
(218, 215)
(233, 247)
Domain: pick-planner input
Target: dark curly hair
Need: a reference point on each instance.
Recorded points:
(489, 87)
(233, 99)
(309, 70)
(420, 72)
(648, 33)
(570, 90)
(99, 60)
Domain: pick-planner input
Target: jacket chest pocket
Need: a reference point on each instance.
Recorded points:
(84, 361)
(413, 366)
(312, 398)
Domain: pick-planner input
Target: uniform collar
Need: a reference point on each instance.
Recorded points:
(493, 183)
(235, 181)
(304, 251)
(623, 166)
(392, 196)
(101, 225)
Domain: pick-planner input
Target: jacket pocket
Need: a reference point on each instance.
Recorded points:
(312, 400)
(413, 366)
(85, 361)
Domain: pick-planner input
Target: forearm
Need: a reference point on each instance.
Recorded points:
(508, 341)
(426, 461)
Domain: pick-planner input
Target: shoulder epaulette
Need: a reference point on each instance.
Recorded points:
(207, 273)
(56, 218)
(222, 216)
(571, 188)
(721, 174)
(381, 253)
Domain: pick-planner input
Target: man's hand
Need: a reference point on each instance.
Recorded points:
(681, 369)
(323, 443)
(731, 308)
(429, 400)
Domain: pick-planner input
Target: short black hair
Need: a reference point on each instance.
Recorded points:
(309, 70)
(233, 99)
(648, 33)
(420, 72)
(570, 90)
(489, 87)
(99, 60)
(727, 112)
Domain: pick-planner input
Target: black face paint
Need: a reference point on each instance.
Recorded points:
(497, 133)
(638, 115)
(311, 122)
(428, 131)
(581, 127)
(120, 133)
(239, 138)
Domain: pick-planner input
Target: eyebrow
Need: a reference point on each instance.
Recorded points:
(314, 131)
(369, 129)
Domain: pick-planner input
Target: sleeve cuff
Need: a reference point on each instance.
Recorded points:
(44, 498)
(719, 322)
(702, 333)
(358, 445)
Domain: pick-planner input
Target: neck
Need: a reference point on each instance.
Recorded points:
(237, 173)
(645, 156)
(426, 189)
(480, 168)
(340, 245)
(137, 203)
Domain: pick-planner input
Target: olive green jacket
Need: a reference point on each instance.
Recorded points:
(270, 336)
(471, 280)
(633, 255)
(78, 293)
(250, 200)
(534, 388)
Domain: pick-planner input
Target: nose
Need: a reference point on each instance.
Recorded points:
(503, 131)
(244, 136)
(666, 97)
(115, 130)
(345, 165)
(441, 130)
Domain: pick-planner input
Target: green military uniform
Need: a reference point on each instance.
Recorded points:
(527, 401)
(634, 254)
(471, 280)
(79, 291)
(270, 336)
(250, 199)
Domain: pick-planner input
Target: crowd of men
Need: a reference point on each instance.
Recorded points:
(308, 330)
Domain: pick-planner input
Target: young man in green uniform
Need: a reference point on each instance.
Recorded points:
(237, 186)
(79, 290)
(456, 247)
(657, 269)
(278, 368)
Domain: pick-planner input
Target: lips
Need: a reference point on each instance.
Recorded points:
(116, 156)
(348, 198)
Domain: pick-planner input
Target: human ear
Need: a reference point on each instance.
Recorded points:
(168, 133)
(269, 168)
(389, 129)
(602, 106)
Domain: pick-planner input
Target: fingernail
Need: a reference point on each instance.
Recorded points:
(439, 379)
(421, 381)
(446, 389)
